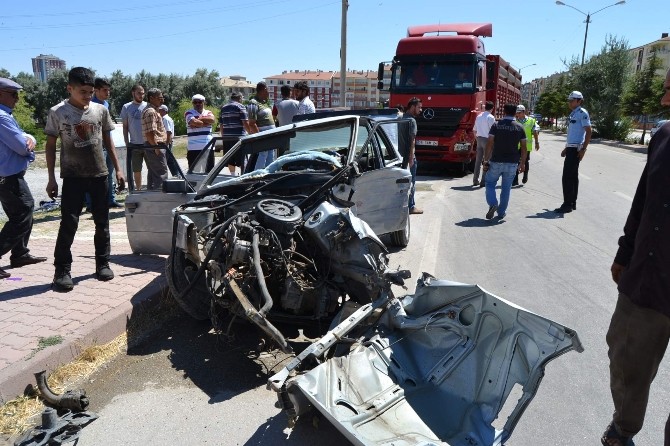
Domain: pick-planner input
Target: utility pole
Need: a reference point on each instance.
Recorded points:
(343, 55)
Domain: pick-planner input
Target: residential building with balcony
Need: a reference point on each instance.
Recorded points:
(642, 54)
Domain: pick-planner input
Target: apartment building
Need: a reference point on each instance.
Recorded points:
(237, 83)
(45, 64)
(641, 55)
(325, 91)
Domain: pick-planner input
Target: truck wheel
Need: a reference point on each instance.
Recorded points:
(197, 302)
(401, 238)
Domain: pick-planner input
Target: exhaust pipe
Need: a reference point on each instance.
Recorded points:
(75, 400)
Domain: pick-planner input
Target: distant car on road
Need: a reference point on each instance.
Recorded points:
(658, 125)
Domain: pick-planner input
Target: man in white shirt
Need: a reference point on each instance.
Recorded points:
(285, 109)
(301, 92)
(483, 124)
(168, 123)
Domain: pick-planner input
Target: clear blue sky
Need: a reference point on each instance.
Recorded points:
(259, 38)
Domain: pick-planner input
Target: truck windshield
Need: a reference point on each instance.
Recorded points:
(454, 77)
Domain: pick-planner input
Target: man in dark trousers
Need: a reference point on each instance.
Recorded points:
(16, 152)
(502, 160)
(579, 137)
(640, 328)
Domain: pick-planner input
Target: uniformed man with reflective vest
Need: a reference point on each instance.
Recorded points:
(532, 131)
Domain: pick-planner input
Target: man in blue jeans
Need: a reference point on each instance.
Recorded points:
(502, 160)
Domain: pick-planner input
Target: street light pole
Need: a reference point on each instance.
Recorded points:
(588, 19)
(526, 66)
(343, 55)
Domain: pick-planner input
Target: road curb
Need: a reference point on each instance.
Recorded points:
(16, 377)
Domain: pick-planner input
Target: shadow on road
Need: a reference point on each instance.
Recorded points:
(546, 214)
(476, 222)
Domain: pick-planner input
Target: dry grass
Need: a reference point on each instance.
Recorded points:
(17, 415)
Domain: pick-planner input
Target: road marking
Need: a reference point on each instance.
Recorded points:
(622, 195)
(586, 177)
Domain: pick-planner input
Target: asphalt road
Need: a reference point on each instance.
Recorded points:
(186, 386)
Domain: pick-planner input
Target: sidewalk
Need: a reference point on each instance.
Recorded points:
(94, 312)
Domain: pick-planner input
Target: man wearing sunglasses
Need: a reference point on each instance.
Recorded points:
(16, 152)
(199, 131)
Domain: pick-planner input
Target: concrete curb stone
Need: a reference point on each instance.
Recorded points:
(94, 312)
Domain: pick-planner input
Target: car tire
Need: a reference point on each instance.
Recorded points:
(197, 302)
(401, 238)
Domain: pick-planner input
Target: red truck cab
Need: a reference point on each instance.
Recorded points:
(453, 77)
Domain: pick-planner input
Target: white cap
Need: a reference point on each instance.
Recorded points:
(576, 95)
(520, 108)
(163, 107)
(198, 97)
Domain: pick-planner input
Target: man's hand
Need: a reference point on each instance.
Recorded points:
(581, 154)
(195, 122)
(563, 152)
(52, 189)
(616, 272)
(410, 163)
(30, 143)
(522, 167)
(120, 181)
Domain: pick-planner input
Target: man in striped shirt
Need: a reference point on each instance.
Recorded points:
(199, 131)
(234, 124)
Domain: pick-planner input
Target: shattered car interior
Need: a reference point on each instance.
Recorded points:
(287, 245)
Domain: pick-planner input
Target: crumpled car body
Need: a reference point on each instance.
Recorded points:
(432, 368)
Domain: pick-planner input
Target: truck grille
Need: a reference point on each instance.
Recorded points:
(444, 122)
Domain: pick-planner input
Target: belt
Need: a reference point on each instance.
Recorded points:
(9, 177)
(572, 146)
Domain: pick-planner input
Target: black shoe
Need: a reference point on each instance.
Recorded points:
(62, 279)
(4, 274)
(103, 272)
(574, 206)
(564, 209)
(491, 212)
(26, 259)
(525, 179)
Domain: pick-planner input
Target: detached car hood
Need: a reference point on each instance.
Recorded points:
(434, 368)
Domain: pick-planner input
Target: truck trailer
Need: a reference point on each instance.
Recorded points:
(446, 66)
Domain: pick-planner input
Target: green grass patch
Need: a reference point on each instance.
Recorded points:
(43, 343)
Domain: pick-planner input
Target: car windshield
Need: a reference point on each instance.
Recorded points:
(335, 138)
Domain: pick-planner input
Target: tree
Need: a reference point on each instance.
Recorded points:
(553, 103)
(638, 96)
(42, 96)
(207, 84)
(602, 81)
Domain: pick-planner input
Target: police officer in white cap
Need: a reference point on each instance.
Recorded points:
(16, 152)
(579, 137)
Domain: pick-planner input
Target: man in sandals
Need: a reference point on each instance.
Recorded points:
(640, 328)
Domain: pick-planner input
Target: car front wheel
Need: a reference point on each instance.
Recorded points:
(180, 272)
(401, 238)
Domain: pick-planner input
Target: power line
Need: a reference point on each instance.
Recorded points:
(180, 15)
(162, 36)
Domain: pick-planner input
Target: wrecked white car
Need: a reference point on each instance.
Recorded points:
(309, 153)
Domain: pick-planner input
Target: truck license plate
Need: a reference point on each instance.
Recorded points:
(461, 147)
(423, 142)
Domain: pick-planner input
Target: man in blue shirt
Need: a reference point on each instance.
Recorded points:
(101, 91)
(16, 152)
(579, 137)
